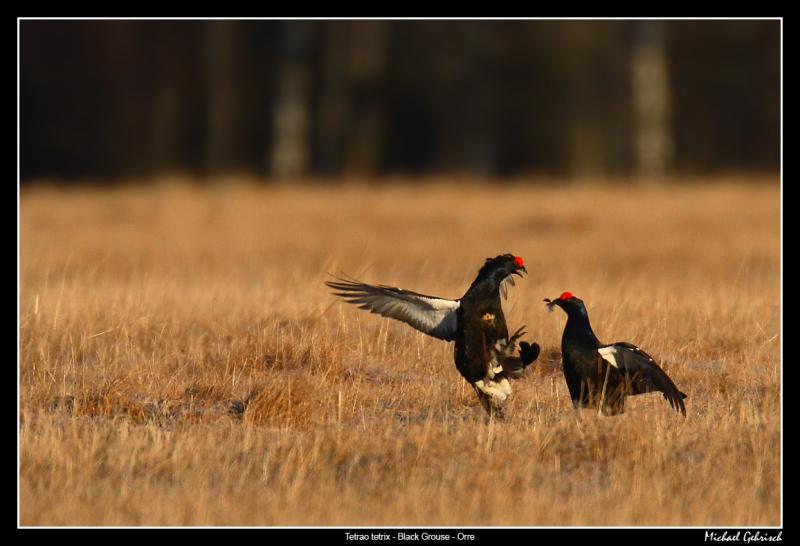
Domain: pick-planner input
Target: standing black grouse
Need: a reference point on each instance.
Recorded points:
(484, 352)
(603, 375)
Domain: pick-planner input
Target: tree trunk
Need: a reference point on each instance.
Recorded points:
(223, 50)
(651, 102)
(290, 153)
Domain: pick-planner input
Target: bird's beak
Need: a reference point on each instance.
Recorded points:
(551, 303)
(520, 271)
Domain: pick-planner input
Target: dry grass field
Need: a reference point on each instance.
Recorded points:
(182, 363)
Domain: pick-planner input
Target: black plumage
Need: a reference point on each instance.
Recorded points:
(601, 375)
(484, 353)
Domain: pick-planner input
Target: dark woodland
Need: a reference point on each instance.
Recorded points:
(286, 99)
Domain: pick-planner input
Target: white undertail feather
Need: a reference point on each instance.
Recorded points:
(497, 390)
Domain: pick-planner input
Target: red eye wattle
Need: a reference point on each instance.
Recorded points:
(566, 296)
(518, 261)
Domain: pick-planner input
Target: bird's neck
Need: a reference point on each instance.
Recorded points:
(484, 289)
(578, 327)
(488, 282)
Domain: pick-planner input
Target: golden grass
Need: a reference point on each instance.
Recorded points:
(182, 363)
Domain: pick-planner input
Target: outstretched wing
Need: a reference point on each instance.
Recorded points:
(642, 372)
(434, 316)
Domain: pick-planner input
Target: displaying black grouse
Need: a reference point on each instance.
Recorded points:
(484, 352)
(601, 375)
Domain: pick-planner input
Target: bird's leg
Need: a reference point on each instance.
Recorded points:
(497, 413)
(483, 398)
(491, 394)
(493, 410)
(493, 388)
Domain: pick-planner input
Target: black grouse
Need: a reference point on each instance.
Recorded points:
(601, 376)
(484, 352)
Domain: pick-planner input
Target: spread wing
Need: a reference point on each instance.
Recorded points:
(643, 372)
(434, 316)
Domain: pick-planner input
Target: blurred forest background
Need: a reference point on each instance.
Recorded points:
(283, 99)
